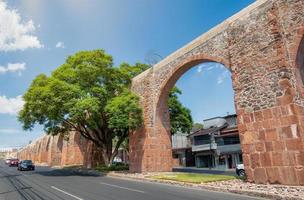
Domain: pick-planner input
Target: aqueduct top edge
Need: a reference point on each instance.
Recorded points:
(205, 36)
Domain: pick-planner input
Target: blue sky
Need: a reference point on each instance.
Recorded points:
(37, 35)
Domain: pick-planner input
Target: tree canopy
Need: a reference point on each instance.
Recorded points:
(88, 95)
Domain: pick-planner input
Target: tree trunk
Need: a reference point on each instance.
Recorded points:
(107, 158)
(107, 153)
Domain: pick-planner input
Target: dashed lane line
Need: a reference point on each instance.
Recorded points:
(71, 195)
(125, 188)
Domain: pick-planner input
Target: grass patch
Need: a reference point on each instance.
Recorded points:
(194, 178)
(114, 167)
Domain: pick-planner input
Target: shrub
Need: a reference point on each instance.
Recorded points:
(113, 167)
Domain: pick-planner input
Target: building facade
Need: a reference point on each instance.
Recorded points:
(217, 145)
(181, 151)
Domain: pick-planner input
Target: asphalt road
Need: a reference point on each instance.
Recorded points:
(46, 183)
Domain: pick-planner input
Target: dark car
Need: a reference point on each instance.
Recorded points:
(13, 162)
(26, 165)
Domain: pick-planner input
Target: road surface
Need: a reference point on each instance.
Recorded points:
(46, 184)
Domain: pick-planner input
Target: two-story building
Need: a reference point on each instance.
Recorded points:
(217, 145)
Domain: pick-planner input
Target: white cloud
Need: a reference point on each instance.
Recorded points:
(60, 45)
(222, 77)
(200, 69)
(12, 67)
(210, 66)
(16, 34)
(11, 105)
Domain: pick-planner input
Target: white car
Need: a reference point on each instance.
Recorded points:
(240, 170)
(8, 161)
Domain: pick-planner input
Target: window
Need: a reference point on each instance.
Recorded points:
(202, 139)
(228, 140)
(175, 155)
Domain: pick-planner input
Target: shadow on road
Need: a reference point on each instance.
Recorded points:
(10, 175)
(70, 172)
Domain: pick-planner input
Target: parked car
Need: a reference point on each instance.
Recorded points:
(240, 170)
(14, 163)
(7, 161)
(27, 165)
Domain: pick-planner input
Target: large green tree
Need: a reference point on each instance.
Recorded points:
(88, 95)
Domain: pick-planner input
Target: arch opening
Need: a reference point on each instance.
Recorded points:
(300, 59)
(211, 158)
(177, 74)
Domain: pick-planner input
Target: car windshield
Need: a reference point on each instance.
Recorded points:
(27, 162)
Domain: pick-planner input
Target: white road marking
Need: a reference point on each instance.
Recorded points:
(66, 193)
(125, 188)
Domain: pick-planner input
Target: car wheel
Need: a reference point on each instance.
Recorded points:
(242, 173)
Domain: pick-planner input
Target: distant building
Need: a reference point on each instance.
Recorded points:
(217, 145)
(181, 149)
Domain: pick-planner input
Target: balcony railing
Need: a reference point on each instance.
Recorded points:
(204, 147)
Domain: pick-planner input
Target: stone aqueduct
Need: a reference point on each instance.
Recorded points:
(263, 47)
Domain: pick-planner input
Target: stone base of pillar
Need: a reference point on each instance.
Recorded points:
(150, 151)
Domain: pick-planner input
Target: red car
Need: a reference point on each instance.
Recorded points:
(14, 163)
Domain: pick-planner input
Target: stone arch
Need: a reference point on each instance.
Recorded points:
(180, 69)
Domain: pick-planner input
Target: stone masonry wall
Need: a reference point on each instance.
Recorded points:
(260, 46)
(57, 151)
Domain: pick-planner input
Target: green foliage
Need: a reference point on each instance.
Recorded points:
(113, 167)
(132, 71)
(180, 116)
(197, 126)
(194, 178)
(122, 111)
(86, 94)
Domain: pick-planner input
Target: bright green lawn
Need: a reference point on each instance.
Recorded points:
(193, 178)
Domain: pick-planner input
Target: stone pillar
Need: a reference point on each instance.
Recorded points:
(150, 151)
(272, 141)
(150, 146)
